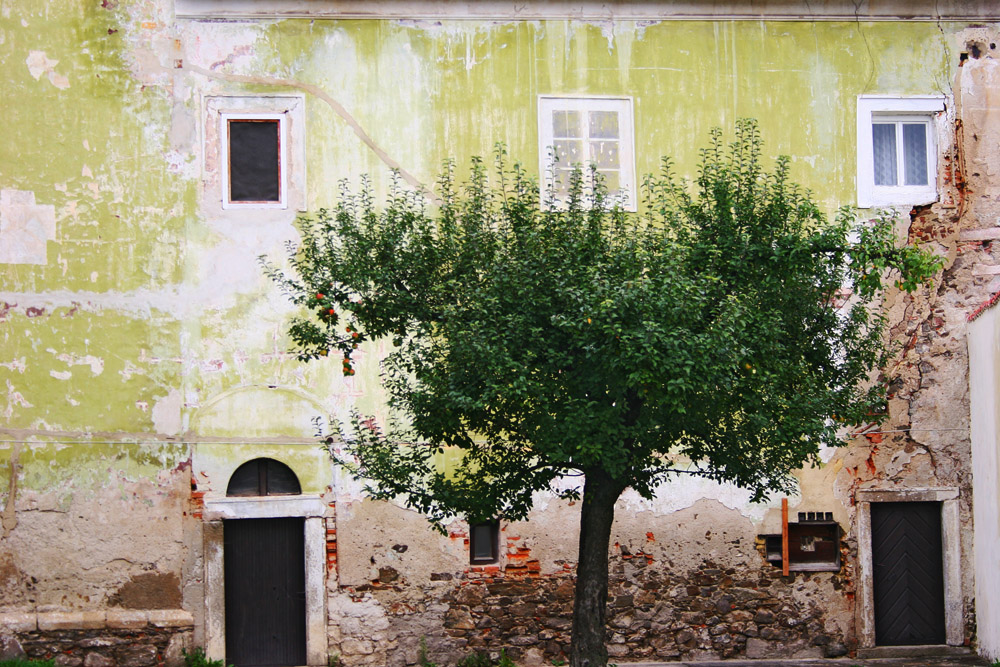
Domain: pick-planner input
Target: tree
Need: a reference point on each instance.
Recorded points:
(700, 337)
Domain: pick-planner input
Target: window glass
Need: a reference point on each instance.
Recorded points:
(263, 477)
(605, 154)
(884, 150)
(603, 124)
(565, 124)
(481, 541)
(915, 153)
(484, 539)
(568, 152)
(254, 164)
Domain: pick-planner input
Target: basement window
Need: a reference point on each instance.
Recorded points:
(254, 157)
(897, 150)
(484, 542)
(577, 132)
(813, 544)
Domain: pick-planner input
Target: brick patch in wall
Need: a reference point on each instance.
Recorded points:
(331, 544)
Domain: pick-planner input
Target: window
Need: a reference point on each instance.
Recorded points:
(580, 131)
(484, 542)
(263, 477)
(897, 151)
(254, 161)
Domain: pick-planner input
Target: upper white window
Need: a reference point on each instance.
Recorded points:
(254, 147)
(897, 150)
(582, 131)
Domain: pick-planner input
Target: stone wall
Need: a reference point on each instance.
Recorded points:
(710, 611)
(130, 638)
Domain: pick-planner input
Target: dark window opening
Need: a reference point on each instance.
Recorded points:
(263, 477)
(254, 161)
(484, 542)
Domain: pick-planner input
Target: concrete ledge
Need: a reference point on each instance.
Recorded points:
(114, 619)
(906, 495)
(170, 618)
(933, 650)
(72, 620)
(127, 619)
(18, 622)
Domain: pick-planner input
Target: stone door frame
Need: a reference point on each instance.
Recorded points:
(313, 510)
(951, 554)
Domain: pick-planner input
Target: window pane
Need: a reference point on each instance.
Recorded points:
(915, 153)
(253, 161)
(281, 480)
(568, 152)
(605, 154)
(481, 542)
(612, 181)
(603, 124)
(566, 124)
(884, 153)
(560, 182)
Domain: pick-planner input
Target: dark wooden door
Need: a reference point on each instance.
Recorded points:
(908, 573)
(265, 592)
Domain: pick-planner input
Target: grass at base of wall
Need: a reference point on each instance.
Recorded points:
(26, 662)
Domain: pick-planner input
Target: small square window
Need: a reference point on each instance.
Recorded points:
(484, 542)
(253, 149)
(897, 153)
(582, 131)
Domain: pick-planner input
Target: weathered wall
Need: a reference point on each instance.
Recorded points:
(143, 355)
(688, 584)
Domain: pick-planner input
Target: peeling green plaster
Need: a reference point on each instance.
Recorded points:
(93, 148)
(68, 469)
(86, 371)
(109, 134)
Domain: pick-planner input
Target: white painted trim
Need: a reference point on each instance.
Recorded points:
(871, 107)
(262, 507)
(530, 10)
(224, 119)
(951, 554)
(984, 409)
(315, 554)
(623, 106)
(215, 590)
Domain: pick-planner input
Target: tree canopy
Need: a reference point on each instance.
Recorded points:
(727, 330)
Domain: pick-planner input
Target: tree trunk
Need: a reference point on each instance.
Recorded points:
(590, 604)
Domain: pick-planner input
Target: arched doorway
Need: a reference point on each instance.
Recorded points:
(265, 583)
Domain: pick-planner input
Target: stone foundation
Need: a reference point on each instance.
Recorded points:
(711, 612)
(99, 639)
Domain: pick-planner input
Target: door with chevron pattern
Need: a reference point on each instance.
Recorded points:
(908, 574)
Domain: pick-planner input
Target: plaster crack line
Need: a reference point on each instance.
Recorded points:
(9, 515)
(337, 107)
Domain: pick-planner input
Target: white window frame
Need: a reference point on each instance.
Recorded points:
(281, 118)
(884, 108)
(548, 104)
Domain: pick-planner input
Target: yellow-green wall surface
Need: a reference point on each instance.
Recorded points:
(148, 319)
